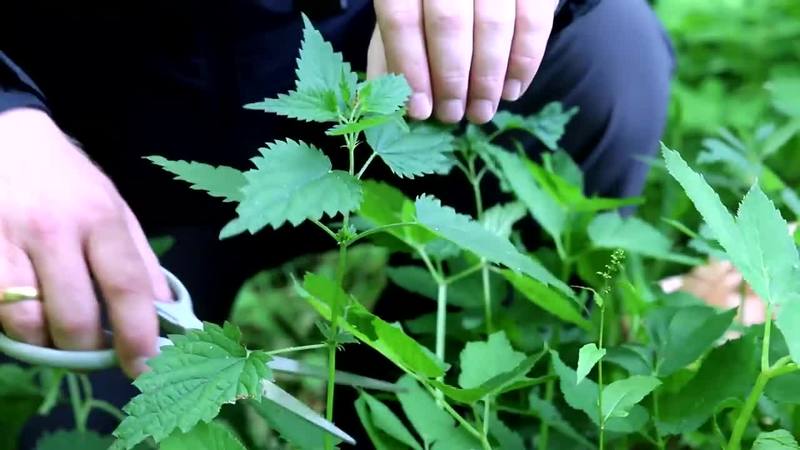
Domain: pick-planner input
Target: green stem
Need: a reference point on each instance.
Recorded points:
(487, 298)
(76, 402)
(549, 393)
(739, 427)
(108, 408)
(656, 415)
(600, 378)
(487, 407)
(366, 164)
(441, 319)
(767, 337)
(326, 229)
(380, 229)
(464, 273)
(300, 348)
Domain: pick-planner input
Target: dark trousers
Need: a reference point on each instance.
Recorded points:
(614, 63)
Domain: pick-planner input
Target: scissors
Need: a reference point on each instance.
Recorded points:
(178, 317)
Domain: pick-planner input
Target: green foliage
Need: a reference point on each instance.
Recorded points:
(84, 440)
(775, 440)
(409, 154)
(205, 436)
(588, 356)
(223, 181)
(190, 382)
(20, 398)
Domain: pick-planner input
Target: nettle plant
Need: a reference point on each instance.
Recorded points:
(571, 346)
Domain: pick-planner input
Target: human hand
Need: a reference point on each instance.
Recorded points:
(460, 56)
(63, 225)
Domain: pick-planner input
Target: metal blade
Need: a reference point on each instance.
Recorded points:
(292, 367)
(272, 392)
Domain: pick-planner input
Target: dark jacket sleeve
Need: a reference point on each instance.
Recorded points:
(17, 89)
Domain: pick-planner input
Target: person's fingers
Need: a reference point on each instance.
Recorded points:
(401, 27)
(494, 31)
(448, 36)
(157, 279)
(126, 285)
(376, 55)
(72, 310)
(23, 321)
(532, 28)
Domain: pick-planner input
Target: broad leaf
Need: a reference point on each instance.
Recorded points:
(205, 436)
(588, 356)
(221, 181)
(387, 339)
(483, 360)
(786, 95)
(383, 95)
(83, 440)
(379, 439)
(512, 379)
(293, 182)
(460, 293)
(500, 219)
(437, 428)
(691, 332)
(506, 438)
(20, 398)
(611, 231)
(384, 419)
(548, 414)
(472, 236)
(583, 396)
(622, 395)
(421, 150)
(189, 382)
(728, 372)
(549, 300)
(300, 433)
(308, 106)
(547, 125)
(544, 208)
(775, 440)
(359, 126)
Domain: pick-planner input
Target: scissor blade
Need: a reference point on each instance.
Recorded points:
(272, 392)
(293, 367)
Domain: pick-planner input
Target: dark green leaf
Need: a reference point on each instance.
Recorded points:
(502, 382)
(300, 433)
(357, 127)
(691, 332)
(549, 300)
(422, 150)
(482, 361)
(83, 440)
(775, 440)
(222, 181)
(384, 419)
(205, 436)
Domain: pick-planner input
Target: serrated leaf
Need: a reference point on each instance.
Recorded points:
(386, 94)
(385, 205)
(421, 150)
(319, 67)
(387, 339)
(437, 429)
(472, 236)
(583, 396)
(483, 360)
(362, 124)
(691, 332)
(308, 105)
(622, 395)
(549, 300)
(548, 414)
(293, 182)
(588, 356)
(786, 95)
(205, 436)
(83, 440)
(612, 231)
(500, 219)
(775, 440)
(507, 438)
(544, 208)
(727, 372)
(379, 439)
(499, 383)
(384, 419)
(222, 181)
(547, 125)
(300, 433)
(190, 381)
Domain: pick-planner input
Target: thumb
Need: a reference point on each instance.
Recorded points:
(376, 56)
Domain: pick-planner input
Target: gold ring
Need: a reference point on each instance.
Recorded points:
(18, 294)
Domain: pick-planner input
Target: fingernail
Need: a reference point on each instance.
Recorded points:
(419, 106)
(481, 111)
(450, 111)
(512, 90)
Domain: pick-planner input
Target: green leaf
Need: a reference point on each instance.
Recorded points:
(359, 126)
(547, 125)
(161, 244)
(379, 439)
(319, 68)
(588, 356)
(424, 149)
(293, 182)
(611, 231)
(498, 384)
(622, 395)
(727, 372)
(786, 95)
(549, 300)
(507, 438)
(691, 332)
(383, 95)
(437, 429)
(300, 433)
(500, 219)
(309, 106)
(384, 419)
(775, 440)
(583, 396)
(210, 436)
(548, 414)
(83, 440)
(20, 398)
(544, 208)
(386, 205)
(387, 339)
(190, 381)
(460, 293)
(222, 181)
(483, 360)
(471, 235)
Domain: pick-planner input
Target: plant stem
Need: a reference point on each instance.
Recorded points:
(487, 297)
(464, 273)
(380, 229)
(656, 415)
(366, 164)
(296, 349)
(441, 319)
(600, 378)
(487, 406)
(326, 229)
(108, 408)
(76, 402)
(739, 427)
(766, 342)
